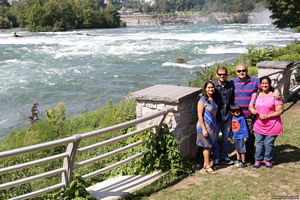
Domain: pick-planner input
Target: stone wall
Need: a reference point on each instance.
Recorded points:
(182, 121)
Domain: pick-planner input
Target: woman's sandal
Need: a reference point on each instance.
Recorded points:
(210, 170)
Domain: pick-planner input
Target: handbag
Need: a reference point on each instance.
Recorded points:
(253, 117)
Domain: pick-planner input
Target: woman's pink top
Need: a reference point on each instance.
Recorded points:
(266, 105)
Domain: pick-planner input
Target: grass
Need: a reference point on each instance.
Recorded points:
(242, 183)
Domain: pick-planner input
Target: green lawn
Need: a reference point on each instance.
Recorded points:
(243, 183)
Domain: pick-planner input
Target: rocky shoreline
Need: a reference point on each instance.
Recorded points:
(217, 18)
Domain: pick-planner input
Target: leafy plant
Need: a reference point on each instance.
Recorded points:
(163, 153)
(56, 115)
(76, 191)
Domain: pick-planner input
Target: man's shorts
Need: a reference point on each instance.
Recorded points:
(240, 145)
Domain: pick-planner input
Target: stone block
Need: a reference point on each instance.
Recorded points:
(151, 105)
(174, 106)
(161, 106)
(139, 112)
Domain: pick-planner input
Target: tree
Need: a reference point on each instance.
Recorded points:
(285, 13)
(111, 17)
(4, 14)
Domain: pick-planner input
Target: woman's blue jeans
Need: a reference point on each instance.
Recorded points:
(264, 146)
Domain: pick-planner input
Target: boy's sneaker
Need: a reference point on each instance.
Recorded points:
(268, 164)
(256, 164)
(243, 164)
(238, 163)
(227, 161)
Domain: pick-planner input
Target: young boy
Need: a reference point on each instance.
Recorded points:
(239, 131)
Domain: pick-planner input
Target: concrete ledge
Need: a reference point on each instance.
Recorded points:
(118, 187)
(274, 64)
(166, 93)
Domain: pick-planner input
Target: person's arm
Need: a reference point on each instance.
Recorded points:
(278, 111)
(200, 110)
(251, 105)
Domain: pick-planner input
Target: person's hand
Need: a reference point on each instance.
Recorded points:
(253, 111)
(245, 139)
(205, 134)
(261, 116)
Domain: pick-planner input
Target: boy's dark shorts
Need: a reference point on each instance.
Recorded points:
(240, 145)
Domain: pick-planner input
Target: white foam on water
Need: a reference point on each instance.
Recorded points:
(23, 81)
(50, 83)
(3, 121)
(140, 49)
(76, 71)
(224, 50)
(181, 65)
(198, 50)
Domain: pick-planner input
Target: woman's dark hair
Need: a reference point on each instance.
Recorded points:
(269, 81)
(204, 91)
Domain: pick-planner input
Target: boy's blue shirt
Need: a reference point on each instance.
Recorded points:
(239, 129)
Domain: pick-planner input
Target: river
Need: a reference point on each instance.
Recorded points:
(86, 68)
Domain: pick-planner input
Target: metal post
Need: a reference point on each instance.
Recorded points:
(69, 160)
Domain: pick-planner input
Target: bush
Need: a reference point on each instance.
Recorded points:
(5, 23)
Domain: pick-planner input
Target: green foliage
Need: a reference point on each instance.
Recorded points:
(76, 191)
(297, 29)
(5, 17)
(206, 6)
(111, 17)
(229, 6)
(4, 23)
(256, 55)
(57, 15)
(285, 13)
(56, 116)
(164, 154)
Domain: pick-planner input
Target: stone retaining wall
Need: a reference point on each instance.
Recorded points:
(182, 122)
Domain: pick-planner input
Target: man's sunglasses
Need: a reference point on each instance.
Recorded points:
(241, 70)
(222, 74)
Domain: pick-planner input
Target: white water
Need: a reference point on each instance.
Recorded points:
(84, 68)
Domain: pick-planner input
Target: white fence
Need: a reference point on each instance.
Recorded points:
(72, 150)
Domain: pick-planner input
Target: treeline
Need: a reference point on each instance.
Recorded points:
(207, 6)
(57, 15)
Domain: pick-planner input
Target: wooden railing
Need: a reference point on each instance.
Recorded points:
(72, 150)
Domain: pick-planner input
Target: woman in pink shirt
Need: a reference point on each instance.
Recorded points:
(267, 125)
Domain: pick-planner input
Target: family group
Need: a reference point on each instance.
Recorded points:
(245, 110)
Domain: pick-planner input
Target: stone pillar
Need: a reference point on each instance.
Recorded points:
(182, 122)
(280, 80)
